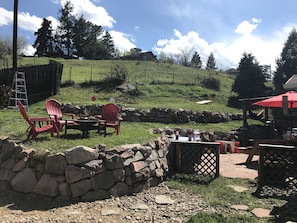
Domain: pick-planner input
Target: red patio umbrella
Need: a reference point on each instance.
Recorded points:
(277, 101)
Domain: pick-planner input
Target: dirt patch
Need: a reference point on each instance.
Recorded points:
(141, 207)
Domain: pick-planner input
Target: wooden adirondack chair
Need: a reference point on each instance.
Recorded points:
(54, 110)
(110, 115)
(33, 130)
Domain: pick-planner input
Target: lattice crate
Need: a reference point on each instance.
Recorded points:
(278, 172)
(201, 161)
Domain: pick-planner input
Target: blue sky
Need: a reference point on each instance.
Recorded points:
(227, 28)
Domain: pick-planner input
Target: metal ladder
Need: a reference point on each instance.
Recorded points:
(19, 91)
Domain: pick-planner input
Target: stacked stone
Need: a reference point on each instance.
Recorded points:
(83, 173)
(161, 115)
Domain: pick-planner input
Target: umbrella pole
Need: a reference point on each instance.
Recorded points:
(291, 114)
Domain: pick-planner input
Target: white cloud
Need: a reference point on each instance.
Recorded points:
(29, 22)
(29, 50)
(25, 20)
(122, 41)
(191, 39)
(5, 17)
(247, 27)
(228, 53)
(95, 14)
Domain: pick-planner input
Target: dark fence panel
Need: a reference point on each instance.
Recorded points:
(42, 81)
(277, 171)
(199, 158)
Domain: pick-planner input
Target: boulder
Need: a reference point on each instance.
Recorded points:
(80, 154)
(102, 181)
(47, 186)
(55, 164)
(81, 187)
(119, 189)
(24, 181)
(113, 161)
(74, 173)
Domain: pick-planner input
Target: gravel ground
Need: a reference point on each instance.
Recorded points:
(176, 206)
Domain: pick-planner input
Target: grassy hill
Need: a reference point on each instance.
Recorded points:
(160, 84)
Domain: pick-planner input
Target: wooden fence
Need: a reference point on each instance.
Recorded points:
(42, 81)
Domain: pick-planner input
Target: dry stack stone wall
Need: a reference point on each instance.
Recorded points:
(161, 115)
(83, 173)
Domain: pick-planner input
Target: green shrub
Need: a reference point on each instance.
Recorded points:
(211, 83)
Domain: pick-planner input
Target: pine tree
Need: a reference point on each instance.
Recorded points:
(65, 30)
(250, 81)
(287, 63)
(108, 44)
(44, 39)
(196, 61)
(211, 62)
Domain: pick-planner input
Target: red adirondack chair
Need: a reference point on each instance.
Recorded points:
(33, 130)
(53, 108)
(110, 115)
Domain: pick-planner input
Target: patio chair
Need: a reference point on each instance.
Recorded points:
(45, 124)
(111, 118)
(54, 110)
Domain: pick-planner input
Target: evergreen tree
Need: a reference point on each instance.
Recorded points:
(287, 63)
(211, 62)
(74, 37)
(92, 46)
(44, 39)
(108, 46)
(81, 38)
(65, 30)
(250, 79)
(196, 61)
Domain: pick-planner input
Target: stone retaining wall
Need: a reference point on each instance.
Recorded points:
(83, 173)
(161, 115)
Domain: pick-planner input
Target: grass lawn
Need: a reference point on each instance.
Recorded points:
(219, 196)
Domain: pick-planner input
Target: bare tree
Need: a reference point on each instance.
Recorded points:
(21, 44)
(186, 56)
(2, 49)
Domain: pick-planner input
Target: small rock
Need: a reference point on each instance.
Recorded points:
(162, 199)
(139, 206)
(240, 207)
(110, 211)
(238, 188)
(261, 212)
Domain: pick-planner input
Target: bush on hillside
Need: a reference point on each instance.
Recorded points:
(233, 102)
(211, 83)
(119, 72)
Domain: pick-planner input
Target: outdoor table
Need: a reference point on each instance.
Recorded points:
(196, 157)
(277, 170)
(85, 125)
(257, 142)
